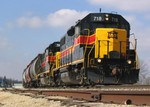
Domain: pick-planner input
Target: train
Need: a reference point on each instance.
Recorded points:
(96, 50)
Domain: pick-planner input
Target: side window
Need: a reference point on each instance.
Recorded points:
(46, 52)
(58, 45)
(77, 30)
(62, 43)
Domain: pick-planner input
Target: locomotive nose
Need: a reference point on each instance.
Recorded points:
(110, 43)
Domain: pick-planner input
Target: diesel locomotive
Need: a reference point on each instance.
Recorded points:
(96, 50)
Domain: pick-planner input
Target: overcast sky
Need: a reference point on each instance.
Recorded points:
(27, 27)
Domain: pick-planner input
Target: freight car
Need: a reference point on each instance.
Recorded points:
(39, 71)
(96, 50)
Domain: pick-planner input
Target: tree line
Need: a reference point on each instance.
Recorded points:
(7, 82)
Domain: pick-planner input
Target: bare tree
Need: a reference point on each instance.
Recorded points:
(144, 78)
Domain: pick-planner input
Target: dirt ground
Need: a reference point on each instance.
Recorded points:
(15, 100)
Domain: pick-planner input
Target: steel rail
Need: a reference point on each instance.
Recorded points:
(126, 97)
(117, 97)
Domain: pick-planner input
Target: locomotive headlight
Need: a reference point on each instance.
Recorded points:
(129, 61)
(99, 60)
(107, 15)
(107, 19)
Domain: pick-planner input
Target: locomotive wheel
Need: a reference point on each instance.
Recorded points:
(58, 82)
(82, 75)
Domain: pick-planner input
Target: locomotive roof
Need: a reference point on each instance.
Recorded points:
(52, 44)
(102, 18)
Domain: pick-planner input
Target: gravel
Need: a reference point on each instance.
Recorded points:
(15, 100)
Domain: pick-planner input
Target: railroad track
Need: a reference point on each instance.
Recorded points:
(135, 95)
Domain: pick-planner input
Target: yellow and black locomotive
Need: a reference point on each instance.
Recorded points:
(96, 50)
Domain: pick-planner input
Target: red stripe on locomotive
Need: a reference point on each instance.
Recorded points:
(84, 40)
